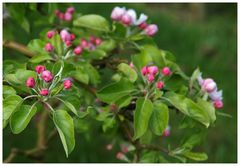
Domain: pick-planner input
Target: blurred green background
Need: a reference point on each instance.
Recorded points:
(200, 35)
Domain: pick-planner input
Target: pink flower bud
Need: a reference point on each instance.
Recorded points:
(67, 84)
(166, 71)
(73, 37)
(70, 10)
(65, 35)
(131, 65)
(143, 25)
(98, 41)
(151, 29)
(126, 19)
(166, 132)
(124, 149)
(67, 16)
(92, 39)
(218, 104)
(144, 70)
(50, 34)
(49, 47)
(44, 92)
(109, 146)
(68, 43)
(47, 76)
(77, 50)
(119, 155)
(117, 13)
(153, 70)
(160, 85)
(39, 69)
(61, 16)
(84, 43)
(30, 82)
(57, 12)
(150, 77)
(209, 85)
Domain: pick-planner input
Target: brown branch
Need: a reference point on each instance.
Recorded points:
(19, 47)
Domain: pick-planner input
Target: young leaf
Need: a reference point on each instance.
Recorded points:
(159, 118)
(57, 44)
(142, 114)
(8, 91)
(208, 107)
(194, 77)
(10, 103)
(40, 58)
(64, 124)
(92, 21)
(115, 91)
(196, 156)
(128, 71)
(188, 107)
(124, 101)
(21, 118)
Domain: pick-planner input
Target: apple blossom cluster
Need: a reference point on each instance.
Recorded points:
(209, 85)
(44, 81)
(129, 18)
(67, 15)
(150, 73)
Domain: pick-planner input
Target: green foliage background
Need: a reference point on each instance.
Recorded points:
(203, 35)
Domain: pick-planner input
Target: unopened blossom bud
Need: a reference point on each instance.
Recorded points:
(68, 43)
(126, 19)
(44, 92)
(50, 34)
(84, 43)
(61, 16)
(67, 16)
(70, 10)
(143, 25)
(77, 50)
(131, 65)
(109, 146)
(166, 71)
(30, 82)
(160, 85)
(39, 69)
(218, 104)
(117, 13)
(144, 70)
(153, 70)
(73, 37)
(65, 35)
(150, 77)
(49, 47)
(47, 76)
(67, 84)
(119, 155)
(209, 85)
(166, 132)
(124, 149)
(98, 41)
(57, 12)
(151, 29)
(92, 39)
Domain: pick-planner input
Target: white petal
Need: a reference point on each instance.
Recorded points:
(133, 15)
(141, 19)
(216, 95)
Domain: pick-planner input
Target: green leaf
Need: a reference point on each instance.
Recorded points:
(188, 107)
(8, 91)
(37, 46)
(107, 45)
(40, 58)
(21, 118)
(142, 114)
(57, 44)
(124, 101)
(92, 21)
(159, 118)
(208, 107)
(22, 75)
(80, 74)
(69, 105)
(93, 74)
(115, 91)
(109, 123)
(194, 77)
(196, 156)
(95, 54)
(64, 124)
(141, 59)
(10, 103)
(128, 71)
